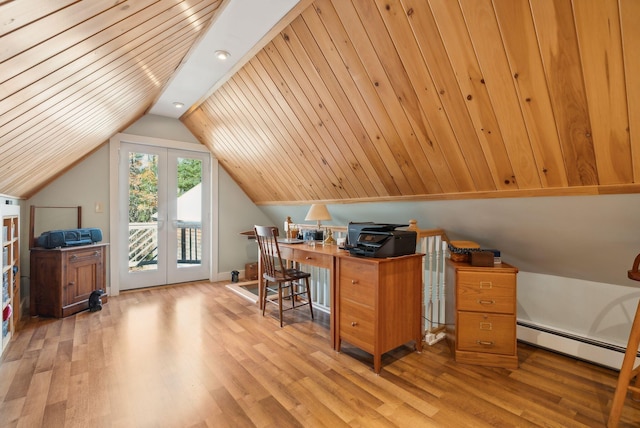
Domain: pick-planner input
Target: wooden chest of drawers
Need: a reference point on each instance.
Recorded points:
(481, 314)
(379, 303)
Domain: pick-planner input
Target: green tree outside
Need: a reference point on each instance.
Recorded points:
(143, 183)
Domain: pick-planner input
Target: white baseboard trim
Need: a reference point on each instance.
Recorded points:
(226, 276)
(583, 348)
(240, 290)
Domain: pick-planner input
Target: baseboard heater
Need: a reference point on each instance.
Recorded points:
(583, 348)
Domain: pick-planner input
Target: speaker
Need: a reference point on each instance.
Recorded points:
(70, 237)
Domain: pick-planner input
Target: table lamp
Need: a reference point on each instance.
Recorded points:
(319, 212)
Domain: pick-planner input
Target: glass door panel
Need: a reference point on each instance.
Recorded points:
(143, 208)
(189, 176)
(143, 212)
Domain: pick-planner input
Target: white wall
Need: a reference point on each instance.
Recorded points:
(237, 214)
(84, 185)
(595, 310)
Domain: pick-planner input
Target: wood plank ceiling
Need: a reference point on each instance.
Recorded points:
(354, 100)
(73, 73)
(413, 99)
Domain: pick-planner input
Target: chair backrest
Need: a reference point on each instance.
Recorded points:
(267, 237)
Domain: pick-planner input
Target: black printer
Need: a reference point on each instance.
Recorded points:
(380, 240)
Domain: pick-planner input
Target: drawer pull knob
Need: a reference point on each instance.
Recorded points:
(486, 284)
(353, 323)
(484, 342)
(354, 281)
(96, 253)
(487, 302)
(307, 258)
(73, 257)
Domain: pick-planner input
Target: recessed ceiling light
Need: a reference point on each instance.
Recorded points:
(222, 55)
(178, 105)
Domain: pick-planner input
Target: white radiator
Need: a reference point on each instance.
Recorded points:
(583, 348)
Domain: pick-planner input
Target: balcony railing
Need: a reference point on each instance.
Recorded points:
(143, 243)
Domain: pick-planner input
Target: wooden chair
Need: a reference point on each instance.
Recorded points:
(628, 372)
(286, 283)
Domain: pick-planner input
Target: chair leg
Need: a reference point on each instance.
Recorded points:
(306, 280)
(264, 295)
(624, 378)
(293, 285)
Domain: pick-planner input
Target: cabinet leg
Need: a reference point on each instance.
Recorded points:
(377, 363)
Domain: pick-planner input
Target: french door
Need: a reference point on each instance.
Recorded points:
(164, 201)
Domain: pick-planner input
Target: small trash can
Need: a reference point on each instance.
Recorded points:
(234, 275)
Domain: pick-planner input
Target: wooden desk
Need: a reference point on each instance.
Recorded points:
(389, 290)
(320, 256)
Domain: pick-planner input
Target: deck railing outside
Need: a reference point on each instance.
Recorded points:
(143, 243)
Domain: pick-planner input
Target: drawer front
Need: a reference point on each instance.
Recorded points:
(84, 255)
(486, 292)
(357, 324)
(312, 258)
(490, 333)
(357, 282)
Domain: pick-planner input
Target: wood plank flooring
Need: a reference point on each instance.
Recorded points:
(199, 355)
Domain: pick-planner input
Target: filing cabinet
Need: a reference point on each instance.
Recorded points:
(379, 303)
(481, 314)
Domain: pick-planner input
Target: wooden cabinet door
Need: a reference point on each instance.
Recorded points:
(82, 276)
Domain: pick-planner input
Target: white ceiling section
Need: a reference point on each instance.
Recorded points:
(240, 25)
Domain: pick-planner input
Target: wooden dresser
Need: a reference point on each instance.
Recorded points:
(379, 303)
(62, 279)
(481, 314)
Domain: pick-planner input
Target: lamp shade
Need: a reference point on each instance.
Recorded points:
(318, 212)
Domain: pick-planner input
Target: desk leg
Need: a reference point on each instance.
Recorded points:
(333, 310)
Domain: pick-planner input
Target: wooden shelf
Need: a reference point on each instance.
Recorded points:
(10, 215)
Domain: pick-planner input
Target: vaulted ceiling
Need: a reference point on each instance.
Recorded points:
(412, 98)
(74, 73)
(352, 101)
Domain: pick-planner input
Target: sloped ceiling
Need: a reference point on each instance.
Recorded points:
(418, 99)
(74, 73)
(353, 101)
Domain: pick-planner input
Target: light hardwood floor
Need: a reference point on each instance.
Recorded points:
(198, 355)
